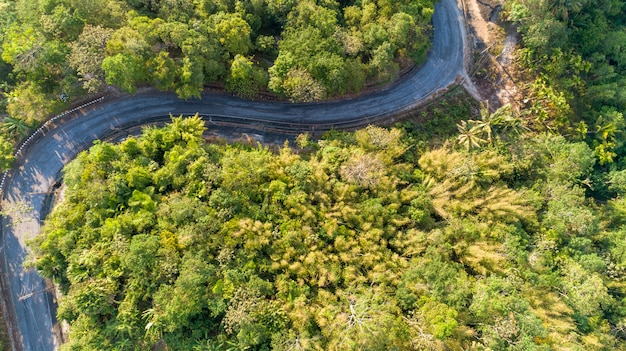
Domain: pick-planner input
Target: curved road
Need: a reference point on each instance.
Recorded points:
(30, 304)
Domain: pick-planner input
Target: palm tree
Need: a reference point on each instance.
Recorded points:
(469, 135)
(16, 127)
(485, 126)
(563, 8)
(503, 121)
(508, 122)
(606, 130)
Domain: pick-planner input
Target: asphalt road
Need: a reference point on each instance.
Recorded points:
(30, 304)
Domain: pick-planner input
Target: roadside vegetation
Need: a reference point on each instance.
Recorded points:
(356, 241)
(575, 59)
(53, 52)
(303, 50)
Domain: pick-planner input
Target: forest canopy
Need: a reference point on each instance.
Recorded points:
(512, 236)
(301, 50)
(575, 52)
(359, 241)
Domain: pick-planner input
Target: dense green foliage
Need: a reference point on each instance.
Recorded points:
(579, 49)
(359, 241)
(53, 52)
(511, 237)
(313, 49)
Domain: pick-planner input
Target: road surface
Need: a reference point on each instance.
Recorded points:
(30, 304)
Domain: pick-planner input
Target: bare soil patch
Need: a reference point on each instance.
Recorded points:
(493, 42)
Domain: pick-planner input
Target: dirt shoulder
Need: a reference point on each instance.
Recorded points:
(492, 41)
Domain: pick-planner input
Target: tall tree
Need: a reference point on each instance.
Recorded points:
(88, 53)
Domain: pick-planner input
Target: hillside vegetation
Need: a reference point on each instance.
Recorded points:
(575, 56)
(509, 235)
(55, 52)
(304, 50)
(357, 242)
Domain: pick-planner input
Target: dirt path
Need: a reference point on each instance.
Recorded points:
(509, 90)
(479, 25)
(491, 71)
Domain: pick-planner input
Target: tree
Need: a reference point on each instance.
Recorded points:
(382, 62)
(107, 13)
(300, 86)
(62, 23)
(128, 41)
(6, 154)
(30, 104)
(191, 78)
(88, 53)
(586, 292)
(346, 244)
(245, 79)
(22, 47)
(54, 44)
(279, 9)
(469, 135)
(233, 32)
(163, 70)
(15, 127)
(175, 306)
(365, 170)
(175, 10)
(502, 124)
(563, 8)
(124, 71)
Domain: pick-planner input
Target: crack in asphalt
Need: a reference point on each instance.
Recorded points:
(39, 163)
